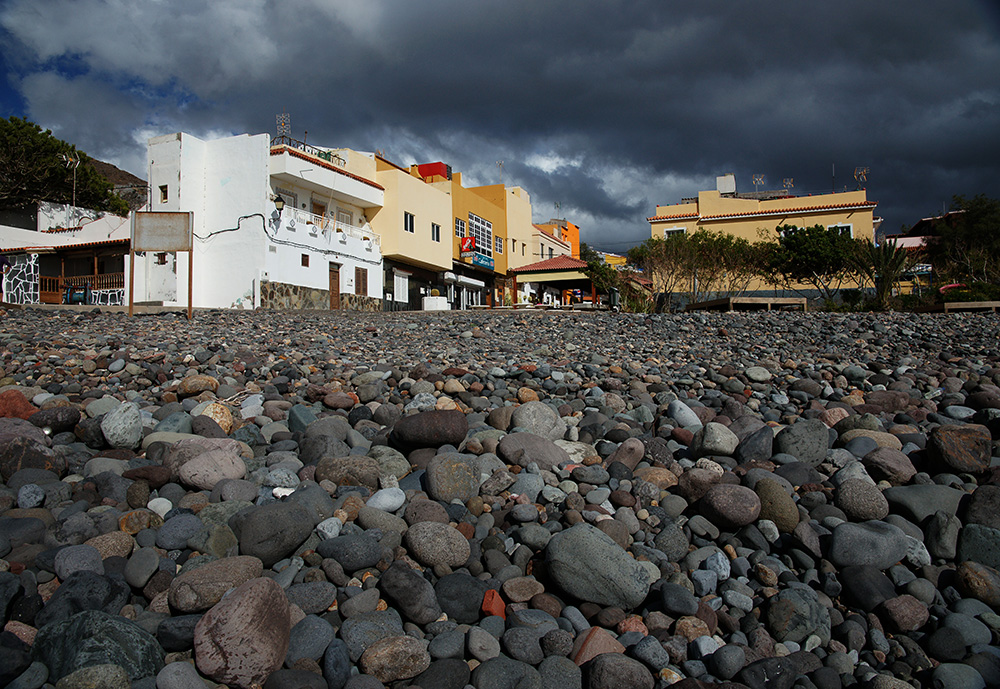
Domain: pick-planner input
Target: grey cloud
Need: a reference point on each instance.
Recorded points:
(650, 100)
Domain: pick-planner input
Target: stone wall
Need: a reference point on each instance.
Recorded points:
(107, 297)
(356, 302)
(281, 295)
(20, 281)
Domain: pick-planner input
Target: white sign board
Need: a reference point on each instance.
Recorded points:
(162, 231)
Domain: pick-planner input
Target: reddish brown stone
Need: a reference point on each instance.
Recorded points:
(156, 475)
(906, 613)
(24, 453)
(493, 604)
(963, 448)
(980, 582)
(15, 405)
(394, 658)
(244, 638)
(593, 643)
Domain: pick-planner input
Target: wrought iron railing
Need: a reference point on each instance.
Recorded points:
(328, 156)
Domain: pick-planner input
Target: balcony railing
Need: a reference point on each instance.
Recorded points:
(328, 156)
(51, 288)
(329, 227)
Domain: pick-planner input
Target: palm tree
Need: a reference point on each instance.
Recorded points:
(883, 264)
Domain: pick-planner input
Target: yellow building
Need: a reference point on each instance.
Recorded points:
(756, 216)
(565, 231)
(442, 239)
(849, 211)
(415, 226)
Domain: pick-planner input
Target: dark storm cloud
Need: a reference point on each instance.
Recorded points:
(606, 108)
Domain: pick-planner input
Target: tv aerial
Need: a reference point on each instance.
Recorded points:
(788, 183)
(758, 180)
(861, 175)
(500, 165)
(284, 122)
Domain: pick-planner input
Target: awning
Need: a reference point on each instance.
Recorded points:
(449, 277)
(470, 282)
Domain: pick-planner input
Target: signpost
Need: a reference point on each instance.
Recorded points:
(158, 232)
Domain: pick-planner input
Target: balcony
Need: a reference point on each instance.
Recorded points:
(295, 163)
(326, 231)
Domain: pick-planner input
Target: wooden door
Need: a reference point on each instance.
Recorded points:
(334, 287)
(320, 210)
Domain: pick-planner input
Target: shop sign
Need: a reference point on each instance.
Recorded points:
(482, 261)
(467, 245)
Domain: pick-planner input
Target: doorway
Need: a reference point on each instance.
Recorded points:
(334, 287)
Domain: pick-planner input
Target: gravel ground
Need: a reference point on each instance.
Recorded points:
(499, 499)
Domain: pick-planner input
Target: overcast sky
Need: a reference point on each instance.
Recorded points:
(604, 107)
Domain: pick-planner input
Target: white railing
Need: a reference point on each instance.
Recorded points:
(330, 228)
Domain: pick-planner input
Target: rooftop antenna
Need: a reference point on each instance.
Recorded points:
(72, 161)
(788, 183)
(284, 121)
(500, 165)
(861, 175)
(558, 207)
(758, 180)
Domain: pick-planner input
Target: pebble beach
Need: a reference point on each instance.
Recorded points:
(499, 500)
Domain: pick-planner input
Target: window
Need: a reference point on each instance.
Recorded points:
(161, 258)
(522, 248)
(550, 252)
(361, 281)
(459, 227)
(435, 232)
(498, 244)
(408, 222)
(345, 217)
(843, 228)
(401, 286)
(163, 193)
(482, 230)
(305, 260)
(669, 231)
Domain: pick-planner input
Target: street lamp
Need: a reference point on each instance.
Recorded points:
(279, 203)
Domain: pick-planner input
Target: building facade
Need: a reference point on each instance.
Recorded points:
(277, 224)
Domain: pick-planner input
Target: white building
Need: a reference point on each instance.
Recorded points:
(317, 252)
(68, 246)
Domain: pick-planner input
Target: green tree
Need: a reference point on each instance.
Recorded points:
(816, 256)
(665, 261)
(967, 249)
(600, 273)
(34, 167)
(881, 265)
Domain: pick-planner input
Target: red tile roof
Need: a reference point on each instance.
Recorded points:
(63, 247)
(552, 264)
(865, 205)
(684, 216)
(278, 150)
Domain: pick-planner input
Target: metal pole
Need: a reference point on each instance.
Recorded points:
(190, 282)
(131, 278)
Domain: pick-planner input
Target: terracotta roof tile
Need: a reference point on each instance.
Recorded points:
(554, 263)
(63, 247)
(278, 150)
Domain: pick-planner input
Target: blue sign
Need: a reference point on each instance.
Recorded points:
(483, 261)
